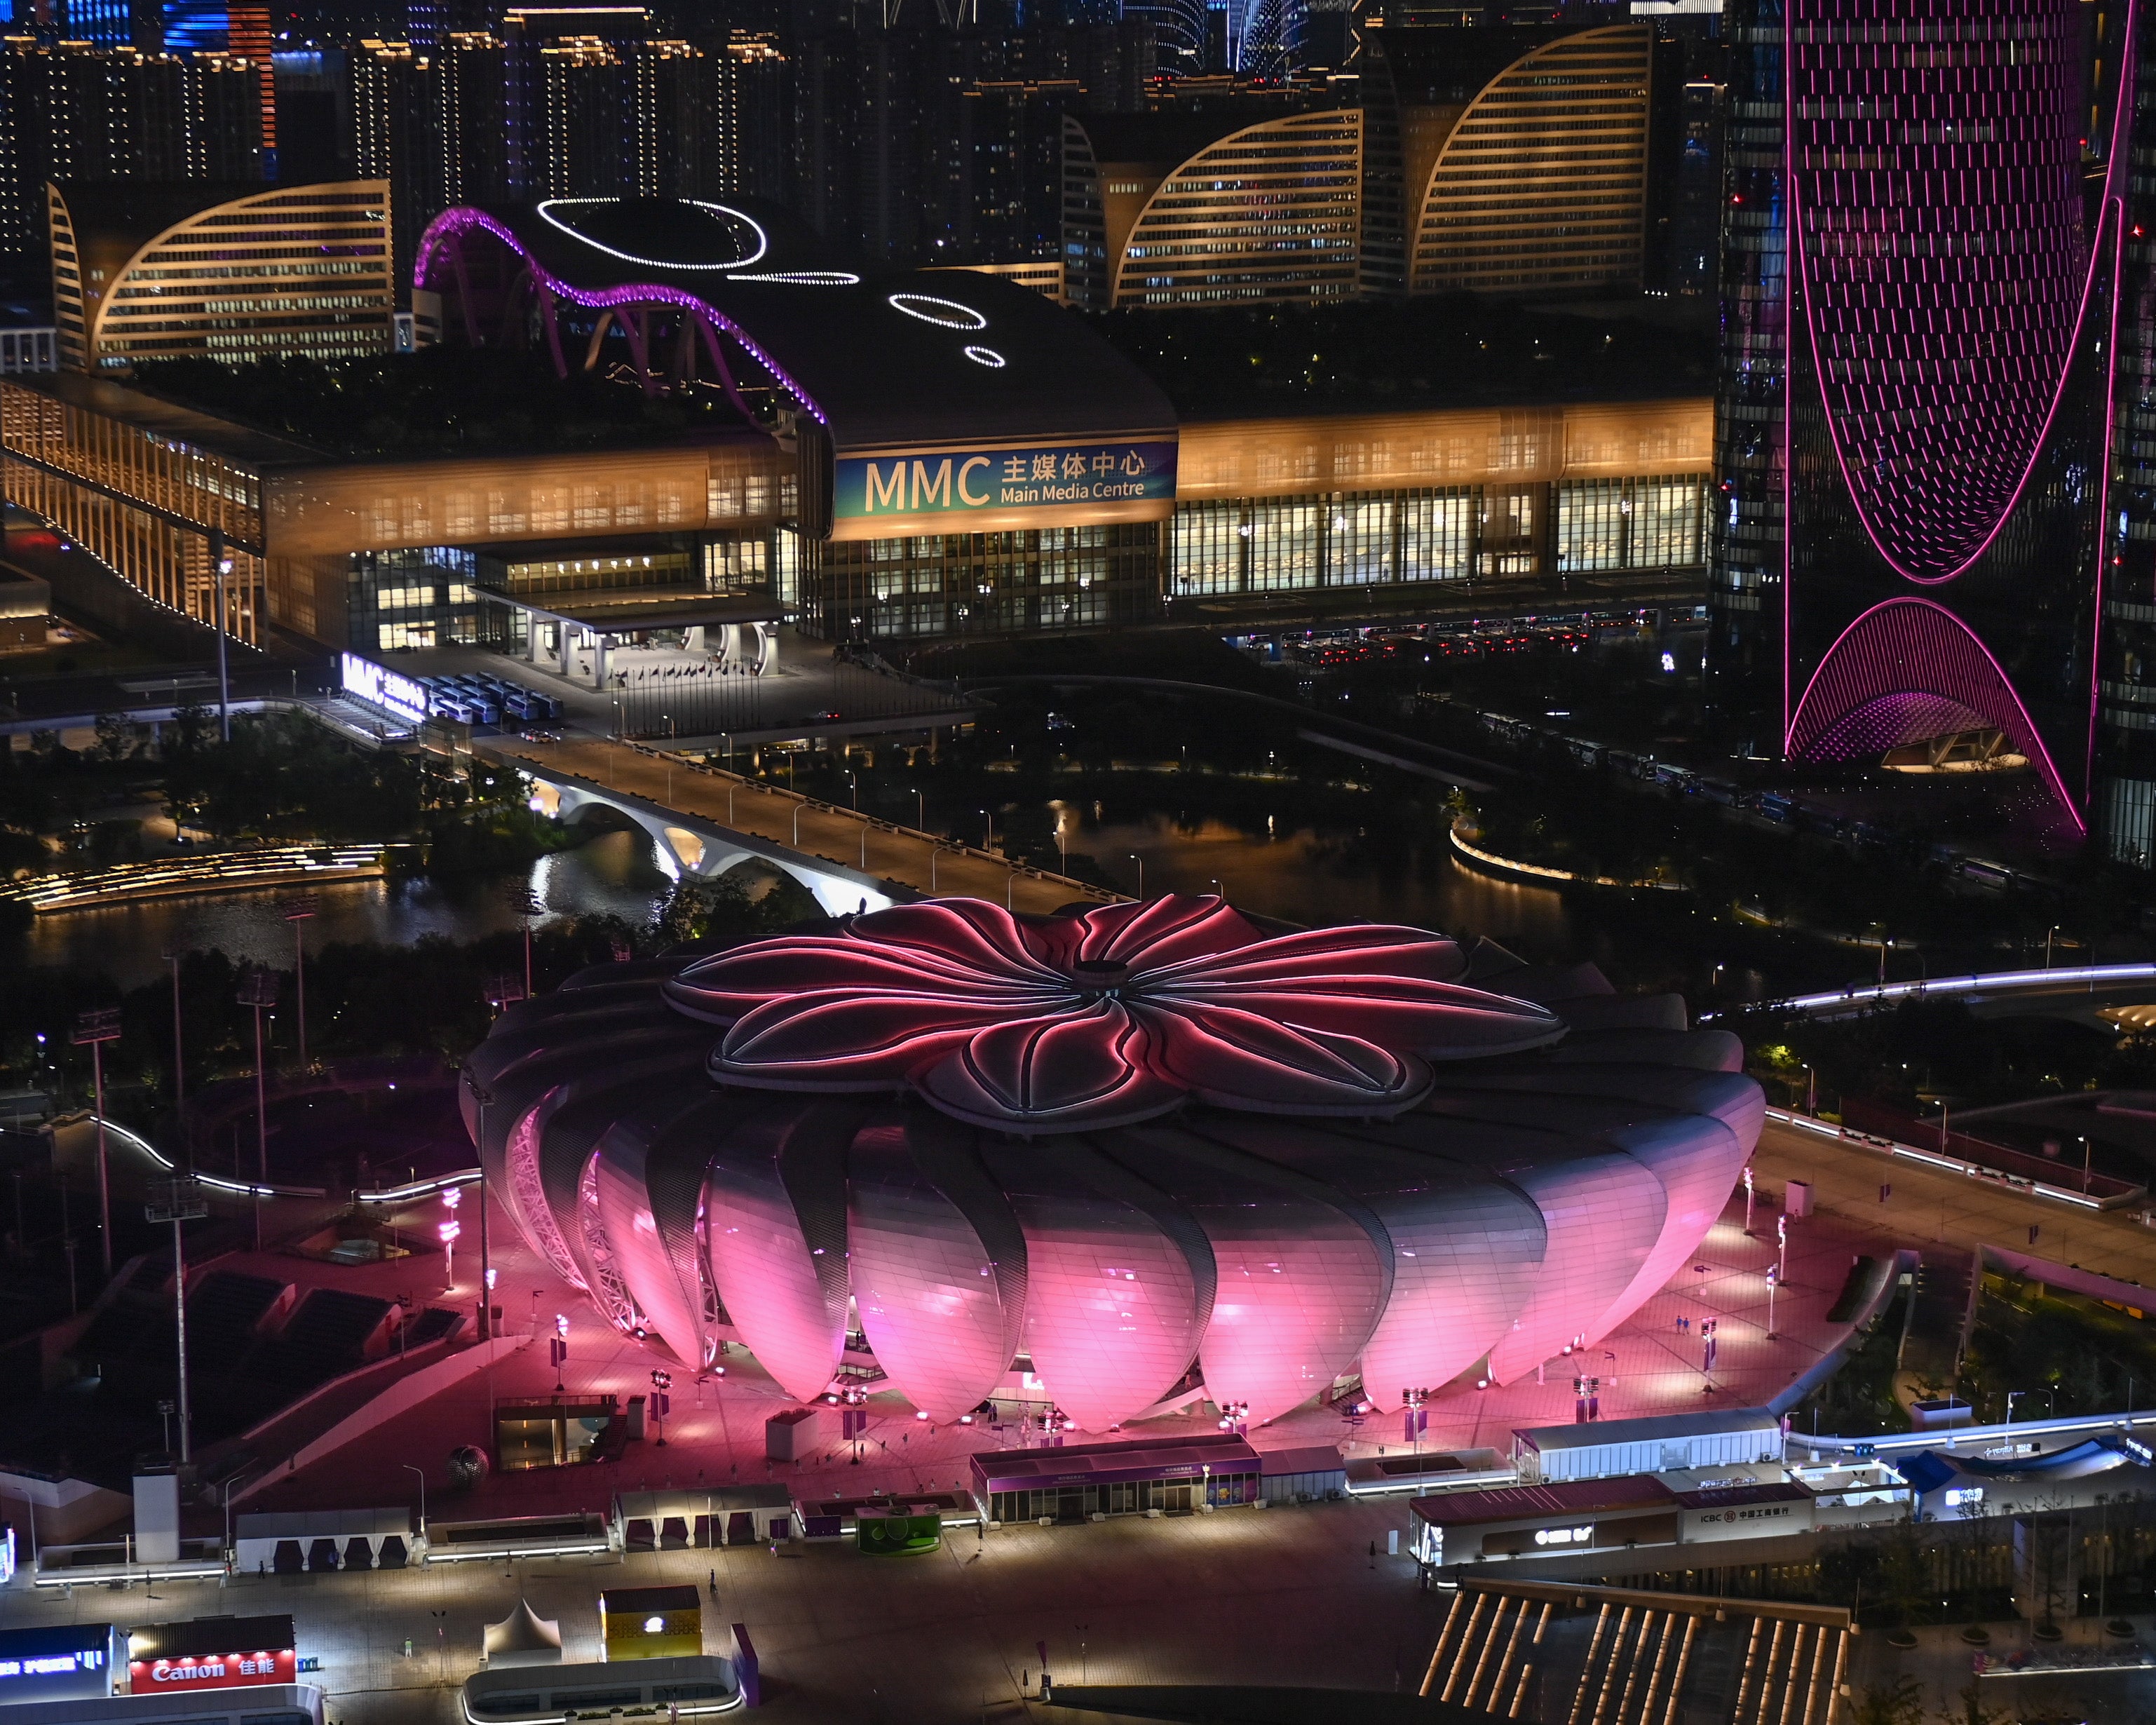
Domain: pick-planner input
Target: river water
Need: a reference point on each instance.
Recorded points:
(1299, 874)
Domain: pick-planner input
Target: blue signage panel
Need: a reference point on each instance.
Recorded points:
(960, 482)
(64, 1662)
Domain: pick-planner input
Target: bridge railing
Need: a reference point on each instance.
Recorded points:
(947, 847)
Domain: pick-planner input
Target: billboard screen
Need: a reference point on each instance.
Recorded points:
(65, 1662)
(383, 687)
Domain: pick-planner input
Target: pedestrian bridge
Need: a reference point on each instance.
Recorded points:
(703, 820)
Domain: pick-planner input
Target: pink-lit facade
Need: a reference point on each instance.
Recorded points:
(1290, 1156)
(1927, 268)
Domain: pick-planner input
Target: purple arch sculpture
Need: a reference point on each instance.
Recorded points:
(1937, 211)
(1908, 670)
(442, 250)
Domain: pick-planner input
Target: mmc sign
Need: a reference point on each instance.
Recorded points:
(961, 481)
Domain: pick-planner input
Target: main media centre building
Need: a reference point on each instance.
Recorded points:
(914, 456)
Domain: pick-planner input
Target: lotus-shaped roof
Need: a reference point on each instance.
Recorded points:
(1119, 1145)
(1104, 1018)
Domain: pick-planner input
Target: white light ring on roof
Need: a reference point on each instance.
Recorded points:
(762, 239)
(928, 309)
(987, 356)
(806, 278)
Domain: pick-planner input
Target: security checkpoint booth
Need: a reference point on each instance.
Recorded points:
(722, 1515)
(1512, 1522)
(1080, 1482)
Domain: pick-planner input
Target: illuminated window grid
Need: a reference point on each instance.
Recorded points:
(1631, 524)
(1543, 182)
(303, 271)
(167, 564)
(960, 583)
(158, 471)
(1272, 214)
(1326, 539)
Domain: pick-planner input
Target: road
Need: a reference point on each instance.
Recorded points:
(1928, 1205)
(921, 860)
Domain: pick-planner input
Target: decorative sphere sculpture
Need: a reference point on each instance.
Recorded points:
(467, 1466)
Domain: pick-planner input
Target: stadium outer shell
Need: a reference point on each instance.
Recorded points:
(1110, 1141)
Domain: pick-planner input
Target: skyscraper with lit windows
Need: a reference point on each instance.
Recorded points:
(1927, 263)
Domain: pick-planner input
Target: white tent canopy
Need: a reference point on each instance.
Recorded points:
(523, 1637)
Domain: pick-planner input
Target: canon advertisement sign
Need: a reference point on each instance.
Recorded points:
(188, 1656)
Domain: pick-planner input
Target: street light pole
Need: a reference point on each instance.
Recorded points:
(257, 989)
(1140, 861)
(409, 1468)
(296, 913)
(179, 1067)
(220, 568)
(482, 1096)
(179, 1199)
(97, 1028)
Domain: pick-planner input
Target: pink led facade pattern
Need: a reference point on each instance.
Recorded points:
(1936, 180)
(1947, 414)
(1295, 1155)
(1936, 676)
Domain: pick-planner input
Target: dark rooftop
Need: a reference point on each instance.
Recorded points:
(1455, 349)
(446, 401)
(1520, 1503)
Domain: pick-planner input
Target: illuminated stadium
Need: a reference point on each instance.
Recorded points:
(1127, 1149)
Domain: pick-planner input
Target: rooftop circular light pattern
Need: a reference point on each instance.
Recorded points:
(1115, 1141)
(987, 356)
(805, 278)
(929, 308)
(727, 239)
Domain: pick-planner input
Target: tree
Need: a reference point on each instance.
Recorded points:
(1900, 1703)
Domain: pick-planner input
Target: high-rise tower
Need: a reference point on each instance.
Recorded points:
(1921, 279)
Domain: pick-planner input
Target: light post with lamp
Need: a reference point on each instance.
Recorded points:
(661, 1405)
(1773, 1281)
(920, 809)
(1749, 1195)
(1140, 861)
(257, 989)
(178, 1200)
(297, 910)
(484, 1097)
(558, 1350)
(798, 808)
(179, 1067)
(989, 842)
(96, 1029)
(1782, 1244)
(422, 1472)
(448, 1230)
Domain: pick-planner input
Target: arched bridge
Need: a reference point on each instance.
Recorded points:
(703, 820)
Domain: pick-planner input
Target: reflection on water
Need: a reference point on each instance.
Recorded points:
(1302, 874)
(612, 873)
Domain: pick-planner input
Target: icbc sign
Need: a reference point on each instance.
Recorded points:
(213, 1670)
(167, 1656)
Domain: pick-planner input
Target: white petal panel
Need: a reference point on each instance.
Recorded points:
(925, 1284)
